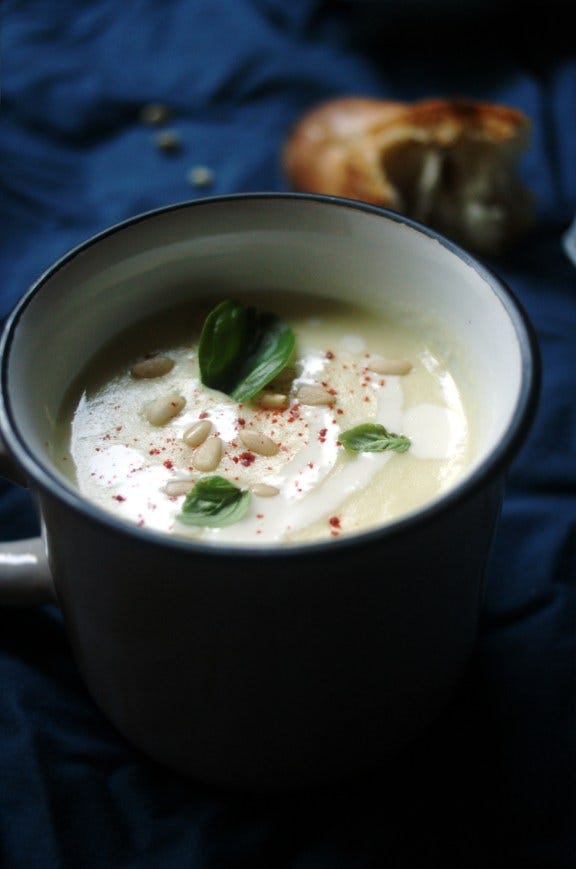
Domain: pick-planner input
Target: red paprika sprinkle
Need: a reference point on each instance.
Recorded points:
(329, 354)
(334, 521)
(247, 458)
(203, 415)
(168, 464)
(119, 497)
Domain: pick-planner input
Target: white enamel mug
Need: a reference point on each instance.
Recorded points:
(262, 667)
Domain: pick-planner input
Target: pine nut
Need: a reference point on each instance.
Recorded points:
(314, 395)
(163, 409)
(272, 400)
(175, 488)
(155, 366)
(264, 490)
(259, 443)
(207, 456)
(197, 433)
(390, 366)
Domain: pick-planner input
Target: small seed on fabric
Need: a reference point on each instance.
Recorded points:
(154, 113)
(200, 176)
(168, 140)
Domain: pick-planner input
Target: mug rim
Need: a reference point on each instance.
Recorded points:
(489, 468)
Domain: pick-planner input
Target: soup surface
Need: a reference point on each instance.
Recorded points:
(140, 429)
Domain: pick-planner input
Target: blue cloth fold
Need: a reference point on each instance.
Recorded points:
(493, 782)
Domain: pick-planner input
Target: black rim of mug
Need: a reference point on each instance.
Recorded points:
(491, 467)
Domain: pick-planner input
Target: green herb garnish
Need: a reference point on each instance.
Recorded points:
(373, 438)
(242, 349)
(215, 502)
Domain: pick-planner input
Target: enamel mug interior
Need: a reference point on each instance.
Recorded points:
(274, 243)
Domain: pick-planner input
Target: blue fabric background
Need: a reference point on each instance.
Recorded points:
(493, 782)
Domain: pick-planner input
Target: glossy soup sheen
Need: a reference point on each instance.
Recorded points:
(314, 487)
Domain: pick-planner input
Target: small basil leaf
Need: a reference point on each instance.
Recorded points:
(242, 349)
(214, 502)
(373, 438)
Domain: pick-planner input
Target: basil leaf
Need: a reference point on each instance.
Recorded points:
(373, 438)
(214, 502)
(242, 349)
(224, 336)
(273, 350)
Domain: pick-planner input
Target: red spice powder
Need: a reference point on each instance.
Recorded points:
(119, 497)
(334, 521)
(168, 464)
(247, 459)
(330, 354)
(203, 415)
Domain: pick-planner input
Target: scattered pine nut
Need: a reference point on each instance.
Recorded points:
(314, 395)
(175, 488)
(264, 490)
(197, 433)
(272, 400)
(207, 456)
(259, 443)
(163, 409)
(389, 366)
(155, 366)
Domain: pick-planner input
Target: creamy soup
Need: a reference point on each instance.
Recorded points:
(140, 430)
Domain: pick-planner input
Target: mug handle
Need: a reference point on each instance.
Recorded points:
(24, 573)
